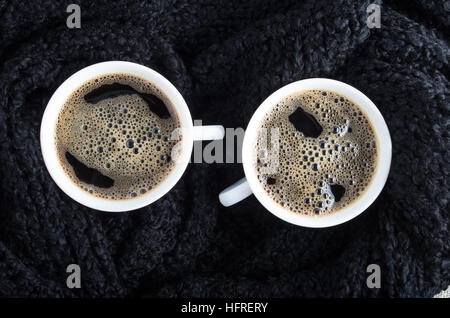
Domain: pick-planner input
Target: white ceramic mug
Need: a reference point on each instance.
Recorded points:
(250, 184)
(189, 133)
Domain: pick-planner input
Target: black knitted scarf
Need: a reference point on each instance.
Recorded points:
(226, 57)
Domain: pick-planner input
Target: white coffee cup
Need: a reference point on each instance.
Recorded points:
(189, 134)
(250, 184)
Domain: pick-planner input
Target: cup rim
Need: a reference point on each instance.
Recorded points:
(48, 131)
(383, 159)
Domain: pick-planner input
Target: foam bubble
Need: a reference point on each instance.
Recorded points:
(342, 158)
(113, 136)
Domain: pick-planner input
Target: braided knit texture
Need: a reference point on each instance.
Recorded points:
(226, 57)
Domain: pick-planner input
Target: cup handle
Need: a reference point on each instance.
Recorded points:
(211, 132)
(235, 193)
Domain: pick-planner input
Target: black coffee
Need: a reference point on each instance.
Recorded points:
(114, 136)
(326, 149)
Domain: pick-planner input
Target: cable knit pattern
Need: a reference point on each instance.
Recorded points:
(226, 57)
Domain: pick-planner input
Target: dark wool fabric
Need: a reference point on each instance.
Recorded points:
(226, 57)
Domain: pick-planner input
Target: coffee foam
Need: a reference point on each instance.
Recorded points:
(119, 137)
(344, 153)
